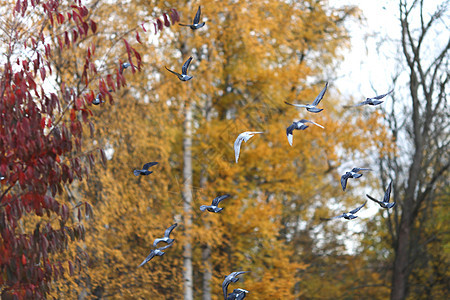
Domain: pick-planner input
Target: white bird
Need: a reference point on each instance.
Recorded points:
(299, 125)
(245, 136)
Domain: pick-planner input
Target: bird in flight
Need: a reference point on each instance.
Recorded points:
(196, 23)
(352, 174)
(299, 125)
(312, 107)
(245, 136)
(237, 294)
(371, 101)
(153, 253)
(228, 279)
(387, 196)
(183, 76)
(214, 207)
(348, 215)
(145, 170)
(166, 237)
(98, 99)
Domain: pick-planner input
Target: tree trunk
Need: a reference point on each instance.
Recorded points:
(187, 196)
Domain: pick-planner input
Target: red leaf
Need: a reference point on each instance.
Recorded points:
(174, 16)
(93, 26)
(74, 36)
(42, 71)
(72, 115)
(60, 18)
(143, 28)
(166, 20)
(103, 157)
(24, 259)
(160, 24)
(138, 38)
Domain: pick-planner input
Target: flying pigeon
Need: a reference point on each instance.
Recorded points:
(145, 170)
(300, 125)
(196, 23)
(214, 205)
(387, 196)
(352, 174)
(166, 236)
(183, 76)
(153, 253)
(245, 136)
(371, 101)
(237, 294)
(348, 215)
(124, 66)
(312, 107)
(228, 279)
(98, 100)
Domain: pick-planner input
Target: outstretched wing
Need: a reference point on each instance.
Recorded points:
(148, 165)
(297, 105)
(204, 207)
(237, 146)
(315, 124)
(197, 16)
(387, 194)
(217, 200)
(373, 199)
(344, 181)
(148, 258)
(381, 96)
(239, 273)
(357, 209)
(320, 96)
(186, 66)
(165, 247)
(289, 134)
(169, 230)
(173, 72)
(356, 170)
(225, 285)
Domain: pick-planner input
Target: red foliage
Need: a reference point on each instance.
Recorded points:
(40, 150)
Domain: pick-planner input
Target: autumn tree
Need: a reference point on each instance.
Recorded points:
(420, 165)
(43, 116)
(240, 58)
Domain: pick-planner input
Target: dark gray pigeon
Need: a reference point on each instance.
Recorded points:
(124, 66)
(196, 23)
(153, 253)
(387, 196)
(166, 236)
(214, 207)
(237, 294)
(371, 101)
(183, 76)
(299, 125)
(313, 107)
(98, 99)
(145, 170)
(348, 215)
(228, 279)
(352, 174)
